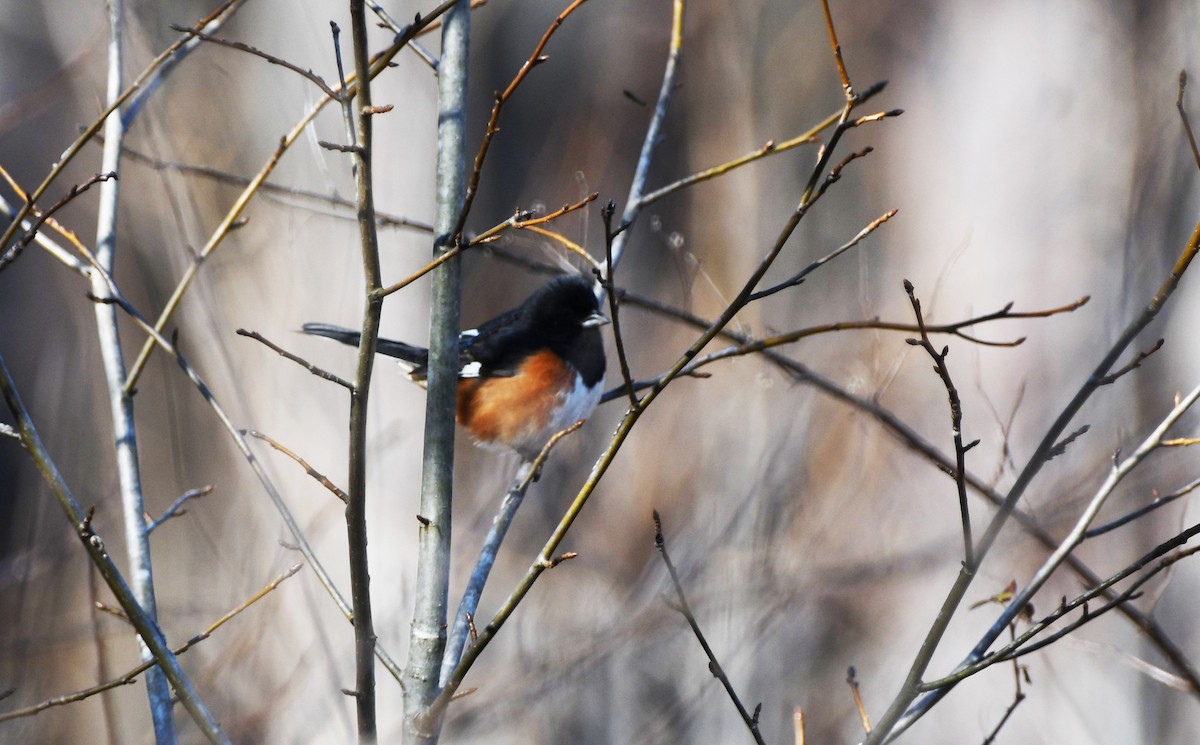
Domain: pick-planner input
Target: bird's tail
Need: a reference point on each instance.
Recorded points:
(414, 357)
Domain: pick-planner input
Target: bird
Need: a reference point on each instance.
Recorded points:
(524, 375)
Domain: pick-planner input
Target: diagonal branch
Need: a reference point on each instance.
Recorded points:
(147, 628)
(713, 665)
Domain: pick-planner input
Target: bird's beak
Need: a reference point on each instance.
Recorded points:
(595, 320)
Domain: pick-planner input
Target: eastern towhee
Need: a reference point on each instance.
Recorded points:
(525, 374)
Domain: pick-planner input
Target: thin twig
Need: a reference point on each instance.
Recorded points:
(241, 47)
(378, 64)
(519, 221)
(1183, 116)
(9, 256)
(1134, 364)
(146, 627)
(891, 723)
(799, 278)
(464, 621)
(634, 202)
(69, 154)
(610, 288)
(52, 247)
(767, 150)
(320, 373)
(176, 508)
(566, 243)
(132, 675)
(308, 469)
(755, 346)
(852, 681)
(714, 666)
(525, 219)
(960, 449)
(847, 89)
(535, 59)
(1161, 501)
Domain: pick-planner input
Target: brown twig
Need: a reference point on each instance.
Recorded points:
(535, 59)
(12, 253)
(769, 149)
(518, 221)
(837, 53)
(852, 681)
(764, 346)
(308, 469)
(566, 243)
(320, 373)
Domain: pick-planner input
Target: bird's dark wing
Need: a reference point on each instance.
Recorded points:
(496, 345)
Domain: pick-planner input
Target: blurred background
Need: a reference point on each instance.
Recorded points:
(1040, 158)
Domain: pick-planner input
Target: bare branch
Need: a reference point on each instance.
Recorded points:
(378, 64)
(309, 75)
(131, 676)
(852, 681)
(320, 373)
(960, 450)
(493, 127)
(464, 621)
(798, 278)
(320, 477)
(634, 202)
(176, 508)
(898, 718)
(606, 281)
(9, 256)
(713, 665)
(767, 150)
(146, 627)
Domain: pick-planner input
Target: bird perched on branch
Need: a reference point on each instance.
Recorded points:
(524, 375)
